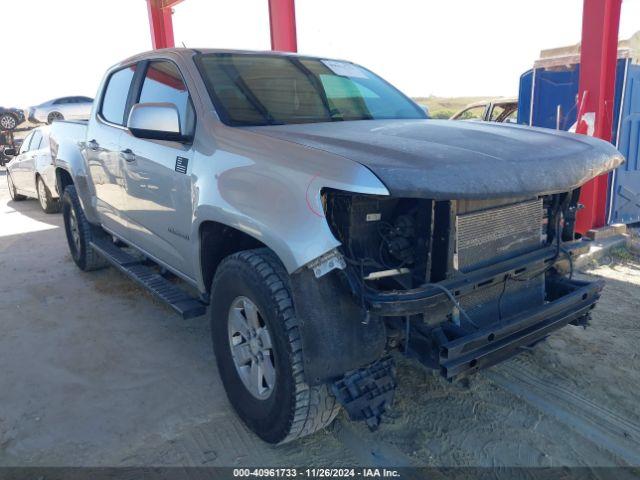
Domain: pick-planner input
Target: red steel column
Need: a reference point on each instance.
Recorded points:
(282, 20)
(160, 22)
(598, 56)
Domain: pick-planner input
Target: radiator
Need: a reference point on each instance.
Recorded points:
(488, 236)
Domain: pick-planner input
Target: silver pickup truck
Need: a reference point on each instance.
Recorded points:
(324, 224)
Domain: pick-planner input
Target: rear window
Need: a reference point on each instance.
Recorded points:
(115, 96)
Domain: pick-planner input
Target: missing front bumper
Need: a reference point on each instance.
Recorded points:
(485, 347)
(459, 350)
(416, 301)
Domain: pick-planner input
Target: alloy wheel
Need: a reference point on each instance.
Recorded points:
(251, 348)
(42, 194)
(12, 190)
(7, 122)
(74, 230)
(53, 116)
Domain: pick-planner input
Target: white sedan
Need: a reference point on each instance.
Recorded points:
(32, 174)
(64, 108)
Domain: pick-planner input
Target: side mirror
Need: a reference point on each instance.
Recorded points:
(156, 121)
(10, 152)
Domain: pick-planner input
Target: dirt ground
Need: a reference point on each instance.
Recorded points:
(94, 372)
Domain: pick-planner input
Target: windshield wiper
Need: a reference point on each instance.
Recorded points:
(334, 113)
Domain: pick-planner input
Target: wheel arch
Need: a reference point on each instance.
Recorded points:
(334, 337)
(70, 169)
(216, 241)
(36, 175)
(63, 178)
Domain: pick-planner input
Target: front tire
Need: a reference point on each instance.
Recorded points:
(47, 202)
(15, 196)
(281, 407)
(80, 232)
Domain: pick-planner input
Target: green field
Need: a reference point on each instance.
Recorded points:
(444, 107)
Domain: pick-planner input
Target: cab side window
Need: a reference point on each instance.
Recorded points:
(163, 83)
(114, 100)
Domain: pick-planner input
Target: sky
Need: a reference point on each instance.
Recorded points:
(424, 47)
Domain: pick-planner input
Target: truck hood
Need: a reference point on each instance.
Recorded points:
(442, 159)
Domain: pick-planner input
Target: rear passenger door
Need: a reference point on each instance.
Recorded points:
(16, 166)
(37, 150)
(157, 177)
(43, 163)
(27, 164)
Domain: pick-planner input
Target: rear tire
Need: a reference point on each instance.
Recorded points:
(47, 202)
(53, 116)
(15, 196)
(291, 408)
(80, 233)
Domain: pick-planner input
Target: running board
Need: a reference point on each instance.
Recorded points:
(184, 304)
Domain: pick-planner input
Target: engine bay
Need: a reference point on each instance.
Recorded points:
(402, 244)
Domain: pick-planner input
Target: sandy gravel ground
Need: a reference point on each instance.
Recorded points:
(94, 372)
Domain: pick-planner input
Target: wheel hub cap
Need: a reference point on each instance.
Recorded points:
(251, 348)
(73, 228)
(42, 195)
(7, 122)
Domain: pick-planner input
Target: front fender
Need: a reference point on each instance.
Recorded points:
(273, 193)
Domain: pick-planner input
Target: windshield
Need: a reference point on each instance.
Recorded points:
(249, 89)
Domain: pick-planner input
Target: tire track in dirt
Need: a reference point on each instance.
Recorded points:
(600, 425)
(369, 451)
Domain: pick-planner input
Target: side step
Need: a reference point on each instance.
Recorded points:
(185, 305)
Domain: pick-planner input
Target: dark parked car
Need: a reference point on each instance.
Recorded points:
(10, 118)
(8, 142)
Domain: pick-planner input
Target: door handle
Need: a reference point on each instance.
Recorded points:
(128, 155)
(93, 145)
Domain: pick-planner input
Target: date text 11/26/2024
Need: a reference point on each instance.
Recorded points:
(316, 473)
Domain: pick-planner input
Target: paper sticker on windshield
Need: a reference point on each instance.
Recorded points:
(345, 69)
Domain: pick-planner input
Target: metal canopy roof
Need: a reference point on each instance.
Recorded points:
(598, 53)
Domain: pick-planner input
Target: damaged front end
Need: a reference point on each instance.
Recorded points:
(459, 285)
